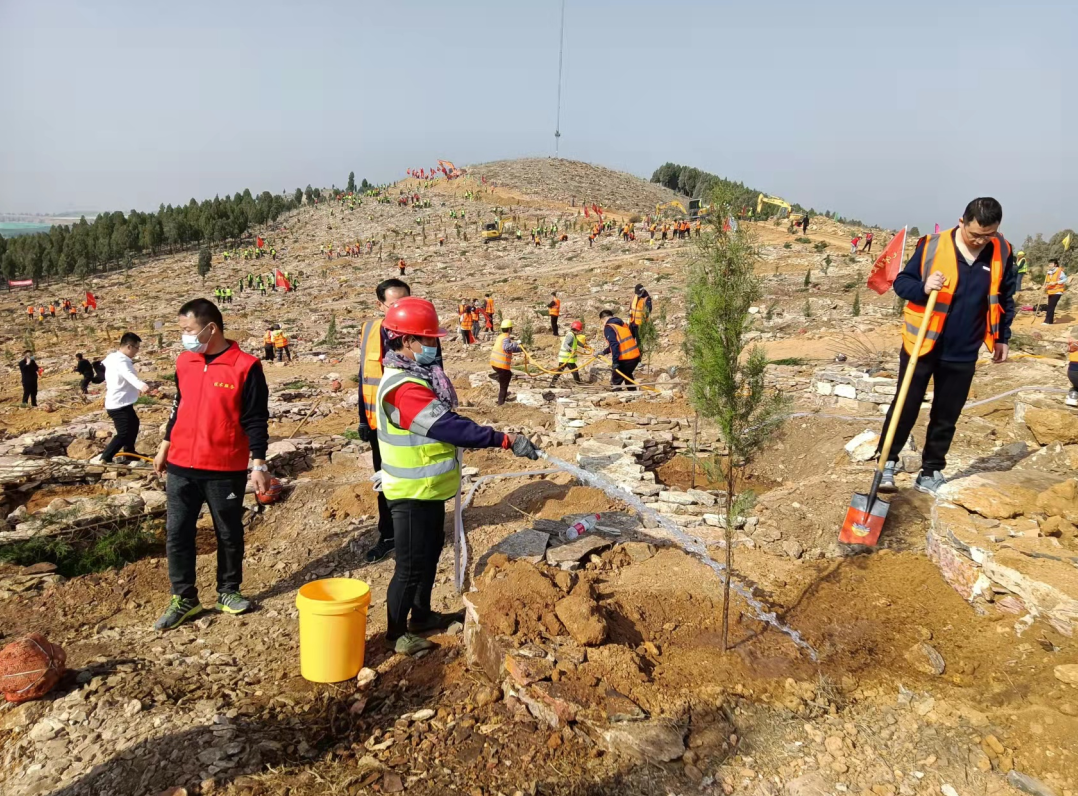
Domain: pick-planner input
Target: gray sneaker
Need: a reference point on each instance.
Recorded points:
(1072, 398)
(887, 481)
(232, 602)
(179, 611)
(930, 483)
(410, 644)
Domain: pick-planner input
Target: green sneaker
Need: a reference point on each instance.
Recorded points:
(410, 644)
(179, 611)
(232, 602)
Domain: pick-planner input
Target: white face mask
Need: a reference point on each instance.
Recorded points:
(192, 344)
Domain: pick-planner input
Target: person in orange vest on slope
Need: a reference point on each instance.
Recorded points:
(501, 359)
(465, 325)
(30, 313)
(401, 266)
(555, 310)
(639, 310)
(488, 310)
(267, 344)
(1055, 285)
(623, 349)
(280, 343)
(973, 268)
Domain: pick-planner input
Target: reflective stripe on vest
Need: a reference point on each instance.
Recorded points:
(1053, 285)
(639, 310)
(414, 466)
(939, 255)
(568, 348)
(370, 369)
(499, 357)
(627, 347)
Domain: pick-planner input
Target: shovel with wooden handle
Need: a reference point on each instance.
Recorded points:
(866, 514)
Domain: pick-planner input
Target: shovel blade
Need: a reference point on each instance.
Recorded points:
(863, 524)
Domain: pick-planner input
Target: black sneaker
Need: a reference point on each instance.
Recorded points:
(179, 611)
(232, 602)
(436, 621)
(381, 550)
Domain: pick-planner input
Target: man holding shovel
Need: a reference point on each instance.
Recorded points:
(973, 268)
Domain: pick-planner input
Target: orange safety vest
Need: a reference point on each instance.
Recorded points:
(1073, 355)
(466, 321)
(268, 340)
(555, 311)
(1052, 285)
(939, 255)
(370, 352)
(490, 306)
(499, 357)
(639, 310)
(627, 346)
(279, 340)
(29, 310)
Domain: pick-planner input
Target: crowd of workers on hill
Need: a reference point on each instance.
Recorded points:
(58, 308)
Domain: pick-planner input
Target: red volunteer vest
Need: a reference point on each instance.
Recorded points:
(207, 434)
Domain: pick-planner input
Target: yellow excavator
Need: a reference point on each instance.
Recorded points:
(782, 204)
(493, 230)
(659, 208)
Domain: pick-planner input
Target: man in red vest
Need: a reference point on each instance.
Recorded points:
(973, 268)
(219, 418)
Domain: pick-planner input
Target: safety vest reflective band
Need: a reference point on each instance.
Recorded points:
(1023, 266)
(1053, 284)
(370, 369)
(414, 466)
(490, 306)
(627, 347)
(939, 255)
(567, 353)
(279, 340)
(639, 310)
(556, 309)
(499, 357)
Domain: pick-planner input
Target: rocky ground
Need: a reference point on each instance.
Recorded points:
(944, 659)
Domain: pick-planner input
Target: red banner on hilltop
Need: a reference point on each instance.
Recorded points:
(282, 281)
(91, 302)
(11, 283)
(888, 264)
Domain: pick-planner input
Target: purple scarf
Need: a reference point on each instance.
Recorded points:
(433, 375)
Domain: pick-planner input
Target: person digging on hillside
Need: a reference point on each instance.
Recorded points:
(972, 266)
(122, 389)
(572, 341)
(421, 434)
(28, 373)
(1055, 285)
(219, 418)
(623, 349)
(86, 369)
(372, 348)
(554, 308)
(868, 243)
(501, 359)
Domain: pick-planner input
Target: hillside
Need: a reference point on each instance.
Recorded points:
(944, 659)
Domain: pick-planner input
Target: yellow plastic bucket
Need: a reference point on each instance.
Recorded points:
(332, 628)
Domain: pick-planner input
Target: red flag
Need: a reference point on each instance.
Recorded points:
(282, 282)
(586, 213)
(888, 264)
(260, 242)
(937, 232)
(91, 302)
(597, 210)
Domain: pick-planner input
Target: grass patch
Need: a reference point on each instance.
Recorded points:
(789, 361)
(297, 385)
(114, 549)
(146, 400)
(350, 433)
(802, 240)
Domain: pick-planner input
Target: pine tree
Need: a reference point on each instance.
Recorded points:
(351, 182)
(205, 260)
(857, 304)
(728, 376)
(808, 277)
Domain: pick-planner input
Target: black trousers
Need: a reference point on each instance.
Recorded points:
(185, 498)
(385, 522)
(628, 368)
(419, 536)
(1073, 376)
(282, 351)
(868, 247)
(950, 388)
(29, 393)
(562, 366)
(554, 325)
(127, 425)
(268, 352)
(503, 377)
(1050, 313)
(88, 380)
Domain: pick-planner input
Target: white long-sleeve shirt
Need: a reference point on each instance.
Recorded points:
(122, 384)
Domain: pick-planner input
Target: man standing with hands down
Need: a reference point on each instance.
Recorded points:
(221, 416)
(419, 434)
(972, 266)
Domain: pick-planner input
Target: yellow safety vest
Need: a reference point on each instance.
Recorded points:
(939, 255)
(568, 349)
(639, 311)
(414, 467)
(370, 352)
(499, 357)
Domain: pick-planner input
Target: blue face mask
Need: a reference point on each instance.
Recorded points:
(428, 356)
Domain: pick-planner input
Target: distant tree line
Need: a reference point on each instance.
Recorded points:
(697, 184)
(1039, 251)
(83, 248)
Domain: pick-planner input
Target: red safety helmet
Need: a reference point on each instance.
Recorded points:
(414, 316)
(577, 326)
(272, 495)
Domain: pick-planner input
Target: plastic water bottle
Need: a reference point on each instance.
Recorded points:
(581, 527)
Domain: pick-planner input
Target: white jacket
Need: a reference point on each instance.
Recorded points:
(122, 384)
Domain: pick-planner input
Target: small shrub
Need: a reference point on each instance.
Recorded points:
(527, 331)
(802, 240)
(808, 277)
(635, 218)
(857, 304)
(846, 288)
(787, 245)
(807, 309)
(146, 400)
(820, 245)
(350, 433)
(769, 313)
(789, 361)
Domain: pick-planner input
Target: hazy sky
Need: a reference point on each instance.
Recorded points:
(892, 112)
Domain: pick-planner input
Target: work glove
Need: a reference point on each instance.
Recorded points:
(364, 434)
(522, 446)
